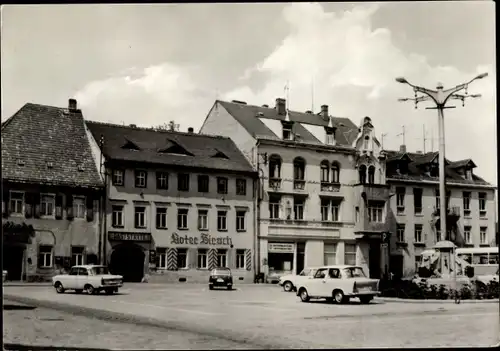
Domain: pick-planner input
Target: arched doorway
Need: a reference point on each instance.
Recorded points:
(127, 260)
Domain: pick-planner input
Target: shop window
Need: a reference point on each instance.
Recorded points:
(202, 258)
(350, 254)
(240, 259)
(182, 258)
(77, 255)
(330, 254)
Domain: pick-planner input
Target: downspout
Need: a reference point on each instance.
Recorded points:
(257, 210)
(101, 214)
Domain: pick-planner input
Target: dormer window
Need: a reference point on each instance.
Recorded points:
(287, 130)
(367, 139)
(468, 174)
(330, 136)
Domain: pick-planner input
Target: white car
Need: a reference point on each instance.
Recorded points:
(91, 278)
(289, 282)
(339, 283)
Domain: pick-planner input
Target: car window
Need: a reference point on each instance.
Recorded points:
(354, 272)
(334, 273)
(73, 271)
(82, 271)
(313, 272)
(305, 272)
(321, 273)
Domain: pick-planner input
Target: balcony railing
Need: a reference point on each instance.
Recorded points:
(299, 184)
(330, 187)
(275, 183)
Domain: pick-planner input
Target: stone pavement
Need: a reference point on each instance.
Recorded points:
(265, 316)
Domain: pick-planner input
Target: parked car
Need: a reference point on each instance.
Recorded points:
(289, 282)
(221, 277)
(338, 284)
(91, 278)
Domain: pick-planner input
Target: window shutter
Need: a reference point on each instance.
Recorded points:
(69, 206)
(5, 199)
(248, 259)
(36, 205)
(59, 203)
(90, 208)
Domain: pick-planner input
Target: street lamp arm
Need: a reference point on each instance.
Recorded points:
(450, 91)
(431, 93)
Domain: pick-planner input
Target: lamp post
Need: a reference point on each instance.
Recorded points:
(440, 97)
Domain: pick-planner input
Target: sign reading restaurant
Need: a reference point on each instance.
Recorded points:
(204, 239)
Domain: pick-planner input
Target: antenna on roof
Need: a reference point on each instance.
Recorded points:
(424, 136)
(287, 94)
(403, 134)
(312, 94)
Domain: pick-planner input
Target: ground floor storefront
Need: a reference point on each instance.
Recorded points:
(183, 258)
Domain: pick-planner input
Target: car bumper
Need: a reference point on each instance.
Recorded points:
(363, 293)
(111, 286)
(225, 283)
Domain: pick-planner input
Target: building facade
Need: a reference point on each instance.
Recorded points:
(315, 172)
(414, 179)
(177, 204)
(51, 193)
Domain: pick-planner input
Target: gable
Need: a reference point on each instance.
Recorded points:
(130, 145)
(174, 148)
(220, 154)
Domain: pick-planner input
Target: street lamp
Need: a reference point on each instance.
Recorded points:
(440, 97)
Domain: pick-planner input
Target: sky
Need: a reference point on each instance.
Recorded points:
(150, 64)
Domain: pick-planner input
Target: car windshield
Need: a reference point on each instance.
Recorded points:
(99, 270)
(305, 272)
(354, 272)
(221, 271)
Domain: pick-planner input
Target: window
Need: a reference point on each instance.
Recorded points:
(221, 185)
(45, 256)
(202, 258)
(483, 236)
(375, 212)
(325, 172)
(241, 187)
(371, 175)
(182, 258)
(467, 237)
(330, 254)
(287, 133)
(325, 204)
(438, 235)
(298, 209)
(162, 180)
(335, 172)
(16, 202)
(350, 254)
(400, 232)
(418, 233)
(140, 217)
(418, 259)
(118, 177)
(221, 220)
(274, 207)
(438, 201)
(356, 214)
(468, 174)
(48, 204)
(240, 221)
(417, 200)
(335, 207)
(77, 255)
(182, 218)
(183, 182)
(117, 216)
(79, 207)
(466, 200)
(203, 181)
(482, 204)
(400, 200)
(240, 259)
(221, 258)
(141, 178)
(274, 167)
(203, 219)
(330, 210)
(362, 174)
(161, 258)
(330, 137)
(299, 166)
(161, 218)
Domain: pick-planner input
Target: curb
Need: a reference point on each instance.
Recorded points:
(468, 301)
(120, 317)
(24, 347)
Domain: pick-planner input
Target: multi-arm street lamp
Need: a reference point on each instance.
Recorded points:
(440, 97)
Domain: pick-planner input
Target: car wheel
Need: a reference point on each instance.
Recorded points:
(109, 291)
(59, 288)
(288, 286)
(229, 287)
(365, 299)
(304, 296)
(89, 289)
(211, 287)
(338, 296)
(78, 291)
(115, 290)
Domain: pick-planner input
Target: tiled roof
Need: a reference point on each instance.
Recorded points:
(154, 146)
(248, 116)
(462, 163)
(38, 135)
(417, 173)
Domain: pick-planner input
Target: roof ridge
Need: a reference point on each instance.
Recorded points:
(151, 129)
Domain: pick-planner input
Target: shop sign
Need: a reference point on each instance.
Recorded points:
(129, 236)
(204, 239)
(281, 247)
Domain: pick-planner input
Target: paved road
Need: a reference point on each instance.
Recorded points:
(265, 316)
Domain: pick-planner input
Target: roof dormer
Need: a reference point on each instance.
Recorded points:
(330, 133)
(287, 126)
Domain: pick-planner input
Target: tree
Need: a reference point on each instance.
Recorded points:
(170, 126)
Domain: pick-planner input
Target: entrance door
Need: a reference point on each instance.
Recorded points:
(301, 250)
(374, 260)
(127, 260)
(13, 261)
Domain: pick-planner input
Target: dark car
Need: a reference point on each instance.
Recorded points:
(221, 277)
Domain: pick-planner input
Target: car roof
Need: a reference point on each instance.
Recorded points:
(341, 266)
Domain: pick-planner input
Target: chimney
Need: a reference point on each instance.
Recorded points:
(309, 112)
(190, 130)
(419, 152)
(281, 106)
(265, 105)
(402, 148)
(324, 111)
(72, 104)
